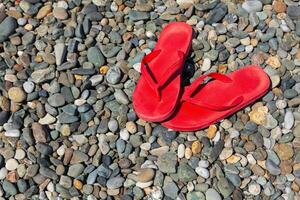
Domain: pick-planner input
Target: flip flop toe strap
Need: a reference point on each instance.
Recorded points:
(172, 71)
(188, 94)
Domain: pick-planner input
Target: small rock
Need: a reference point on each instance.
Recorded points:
(11, 164)
(16, 94)
(95, 56)
(7, 27)
(167, 162)
(60, 51)
(115, 182)
(212, 194)
(60, 13)
(252, 6)
(145, 174)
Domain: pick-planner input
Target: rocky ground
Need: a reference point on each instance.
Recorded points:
(68, 130)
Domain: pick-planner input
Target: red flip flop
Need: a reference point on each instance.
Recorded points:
(158, 89)
(203, 104)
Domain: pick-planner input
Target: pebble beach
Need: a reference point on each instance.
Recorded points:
(68, 69)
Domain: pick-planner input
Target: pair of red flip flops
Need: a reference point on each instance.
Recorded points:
(159, 97)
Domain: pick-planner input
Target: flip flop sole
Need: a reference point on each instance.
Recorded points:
(250, 82)
(175, 37)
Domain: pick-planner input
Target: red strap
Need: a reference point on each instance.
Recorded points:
(188, 94)
(169, 74)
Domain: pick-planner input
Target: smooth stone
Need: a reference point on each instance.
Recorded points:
(11, 164)
(9, 188)
(28, 86)
(272, 167)
(293, 12)
(288, 120)
(212, 194)
(121, 97)
(171, 190)
(203, 172)
(138, 15)
(145, 175)
(115, 182)
(254, 189)
(7, 27)
(56, 100)
(113, 75)
(60, 13)
(12, 133)
(4, 116)
(60, 51)
(252, 6)
(95, 56)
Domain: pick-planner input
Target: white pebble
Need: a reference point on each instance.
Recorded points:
(206, 64)
(251, 159)
(146, 146)
(203, 163)
(124, 134)
(11, 164)
(288, 120)
(254, 189)
(12, 133)
(28, 86)
(181, 150)
(202, 172)
(20, 154)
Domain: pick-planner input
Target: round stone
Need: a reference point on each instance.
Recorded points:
(254, 189)
(20, 154)
(11, 164)
(16, 94)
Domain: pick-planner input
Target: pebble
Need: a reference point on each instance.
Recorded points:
(115, 182)
(202, 172)
(113, 75)
(28, 87)
(16, 94)
(95, 56)
(212, 194)
(60, 13)
(145, 175)
(7, 27)
(11, 164)
(252, 6)
(60, 51)
(254, 189)
(288, 120)
(167, 162)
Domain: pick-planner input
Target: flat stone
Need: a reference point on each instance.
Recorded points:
(115, 182)
(167, 162)
(252, 6)
(95, 56)
(212, 194)
(186, 173)
(7, 27)
(60, 51)
(60, 13)
(38, 132)
(44, 11)
(137, 15)
(145, 174)
(42, 75)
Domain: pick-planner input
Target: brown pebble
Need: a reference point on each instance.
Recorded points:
(145, 174)
(279, 6)
(38, 132)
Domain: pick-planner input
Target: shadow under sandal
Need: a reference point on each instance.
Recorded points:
(205, 103)
(158, 89)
